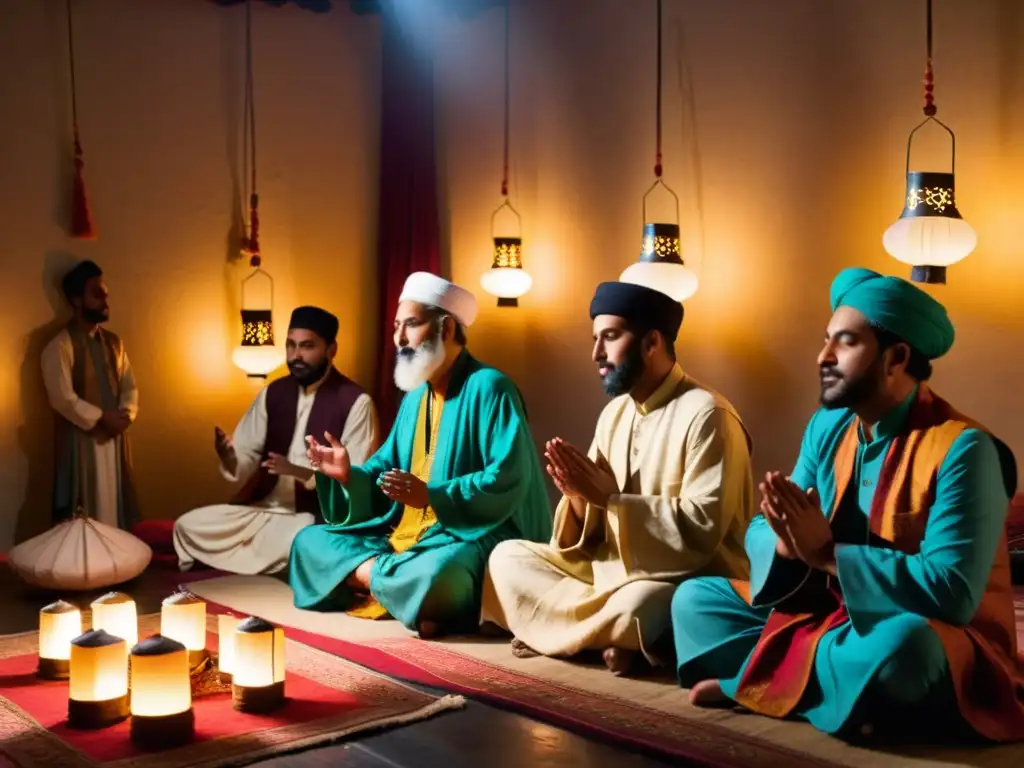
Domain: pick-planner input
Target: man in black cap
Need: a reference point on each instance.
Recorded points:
(90, 385)
(664, 492)
(268, 454)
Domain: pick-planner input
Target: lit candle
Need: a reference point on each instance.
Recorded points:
(98, 688)
(59, 624)
(183, 618)
(226, 644)
(161, 702)
(115, 613)
(258, 681)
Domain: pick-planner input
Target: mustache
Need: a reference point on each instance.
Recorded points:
(829, 372)
(406, 352)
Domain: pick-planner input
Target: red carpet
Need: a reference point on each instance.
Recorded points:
(327, 698)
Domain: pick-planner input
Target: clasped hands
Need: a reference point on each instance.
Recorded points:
(797, 519)
(577, 476)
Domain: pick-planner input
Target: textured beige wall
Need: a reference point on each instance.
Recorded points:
(784, 137)
(785, 130)
(160, 106)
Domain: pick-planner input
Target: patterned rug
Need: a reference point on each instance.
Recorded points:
(329, 699)
(649, 714)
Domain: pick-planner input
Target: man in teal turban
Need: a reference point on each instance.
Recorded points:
(879, 601)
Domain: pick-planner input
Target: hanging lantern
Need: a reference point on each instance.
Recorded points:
(183, 618)
(161, 702)
(98, 688)
(258, 681)
(506, 278)
(660, 265)
(59, 624)
(257, 354)
(226, 625)
(115, 613)
(930, 234)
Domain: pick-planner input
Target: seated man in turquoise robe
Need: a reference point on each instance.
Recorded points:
(879, 600)
(409, 532)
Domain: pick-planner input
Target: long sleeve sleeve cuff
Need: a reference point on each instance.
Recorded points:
(865, 602)
(773, 578)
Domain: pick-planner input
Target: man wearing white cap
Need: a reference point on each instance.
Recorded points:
(409, 532)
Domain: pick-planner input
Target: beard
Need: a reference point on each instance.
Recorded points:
(96, 316)
(621, 378)
(850, 392)
(415, 365)
(306, 373)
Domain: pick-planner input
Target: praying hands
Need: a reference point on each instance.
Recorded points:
(797, 519)
(576, 476)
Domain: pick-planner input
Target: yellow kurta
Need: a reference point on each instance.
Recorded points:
(682, 462)
(414, 522)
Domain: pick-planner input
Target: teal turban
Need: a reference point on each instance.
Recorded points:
(897, 306)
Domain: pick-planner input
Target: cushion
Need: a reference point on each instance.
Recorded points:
(80, 554)
(158, 534)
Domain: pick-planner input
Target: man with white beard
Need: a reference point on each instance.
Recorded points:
(408, 533)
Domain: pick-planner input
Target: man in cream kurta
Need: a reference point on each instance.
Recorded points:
(91, 387)
(268, 454)
(665, 492)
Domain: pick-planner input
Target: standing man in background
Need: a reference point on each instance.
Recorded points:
(90, 385)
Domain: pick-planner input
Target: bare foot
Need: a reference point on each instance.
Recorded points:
(619, 661)
(708, 693)
(521, 650)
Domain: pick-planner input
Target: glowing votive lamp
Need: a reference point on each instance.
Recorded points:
(161, 702)
(59, 624)
(98, 688)
(115, 613)
(183, 618)
(257, 684)
(226, 625)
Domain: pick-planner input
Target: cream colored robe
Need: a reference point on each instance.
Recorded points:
(682, 460)
(58, 359)
(257, 539)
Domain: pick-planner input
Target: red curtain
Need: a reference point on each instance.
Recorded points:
(408, 220)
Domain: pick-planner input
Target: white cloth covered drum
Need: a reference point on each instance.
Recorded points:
(80, 554)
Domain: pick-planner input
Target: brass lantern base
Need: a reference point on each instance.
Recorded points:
(91, 715)
(931, 275)
(163, 731)
(257, 700)
(53, 669)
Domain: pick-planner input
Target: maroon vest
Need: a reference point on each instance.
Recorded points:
(331, 405)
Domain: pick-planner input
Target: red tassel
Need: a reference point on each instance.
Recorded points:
(82, 226)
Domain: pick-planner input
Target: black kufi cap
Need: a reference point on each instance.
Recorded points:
(319, 321)
(642, 307)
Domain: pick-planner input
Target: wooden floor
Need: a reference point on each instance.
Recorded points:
(479, 735)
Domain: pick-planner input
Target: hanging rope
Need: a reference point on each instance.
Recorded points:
(657, 107)
(251, 246)
(929, 74)
(504, 177)
(82, 225)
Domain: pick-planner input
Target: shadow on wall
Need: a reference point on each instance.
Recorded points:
(35, 435)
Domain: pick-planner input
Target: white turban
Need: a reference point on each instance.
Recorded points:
(425, 288)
